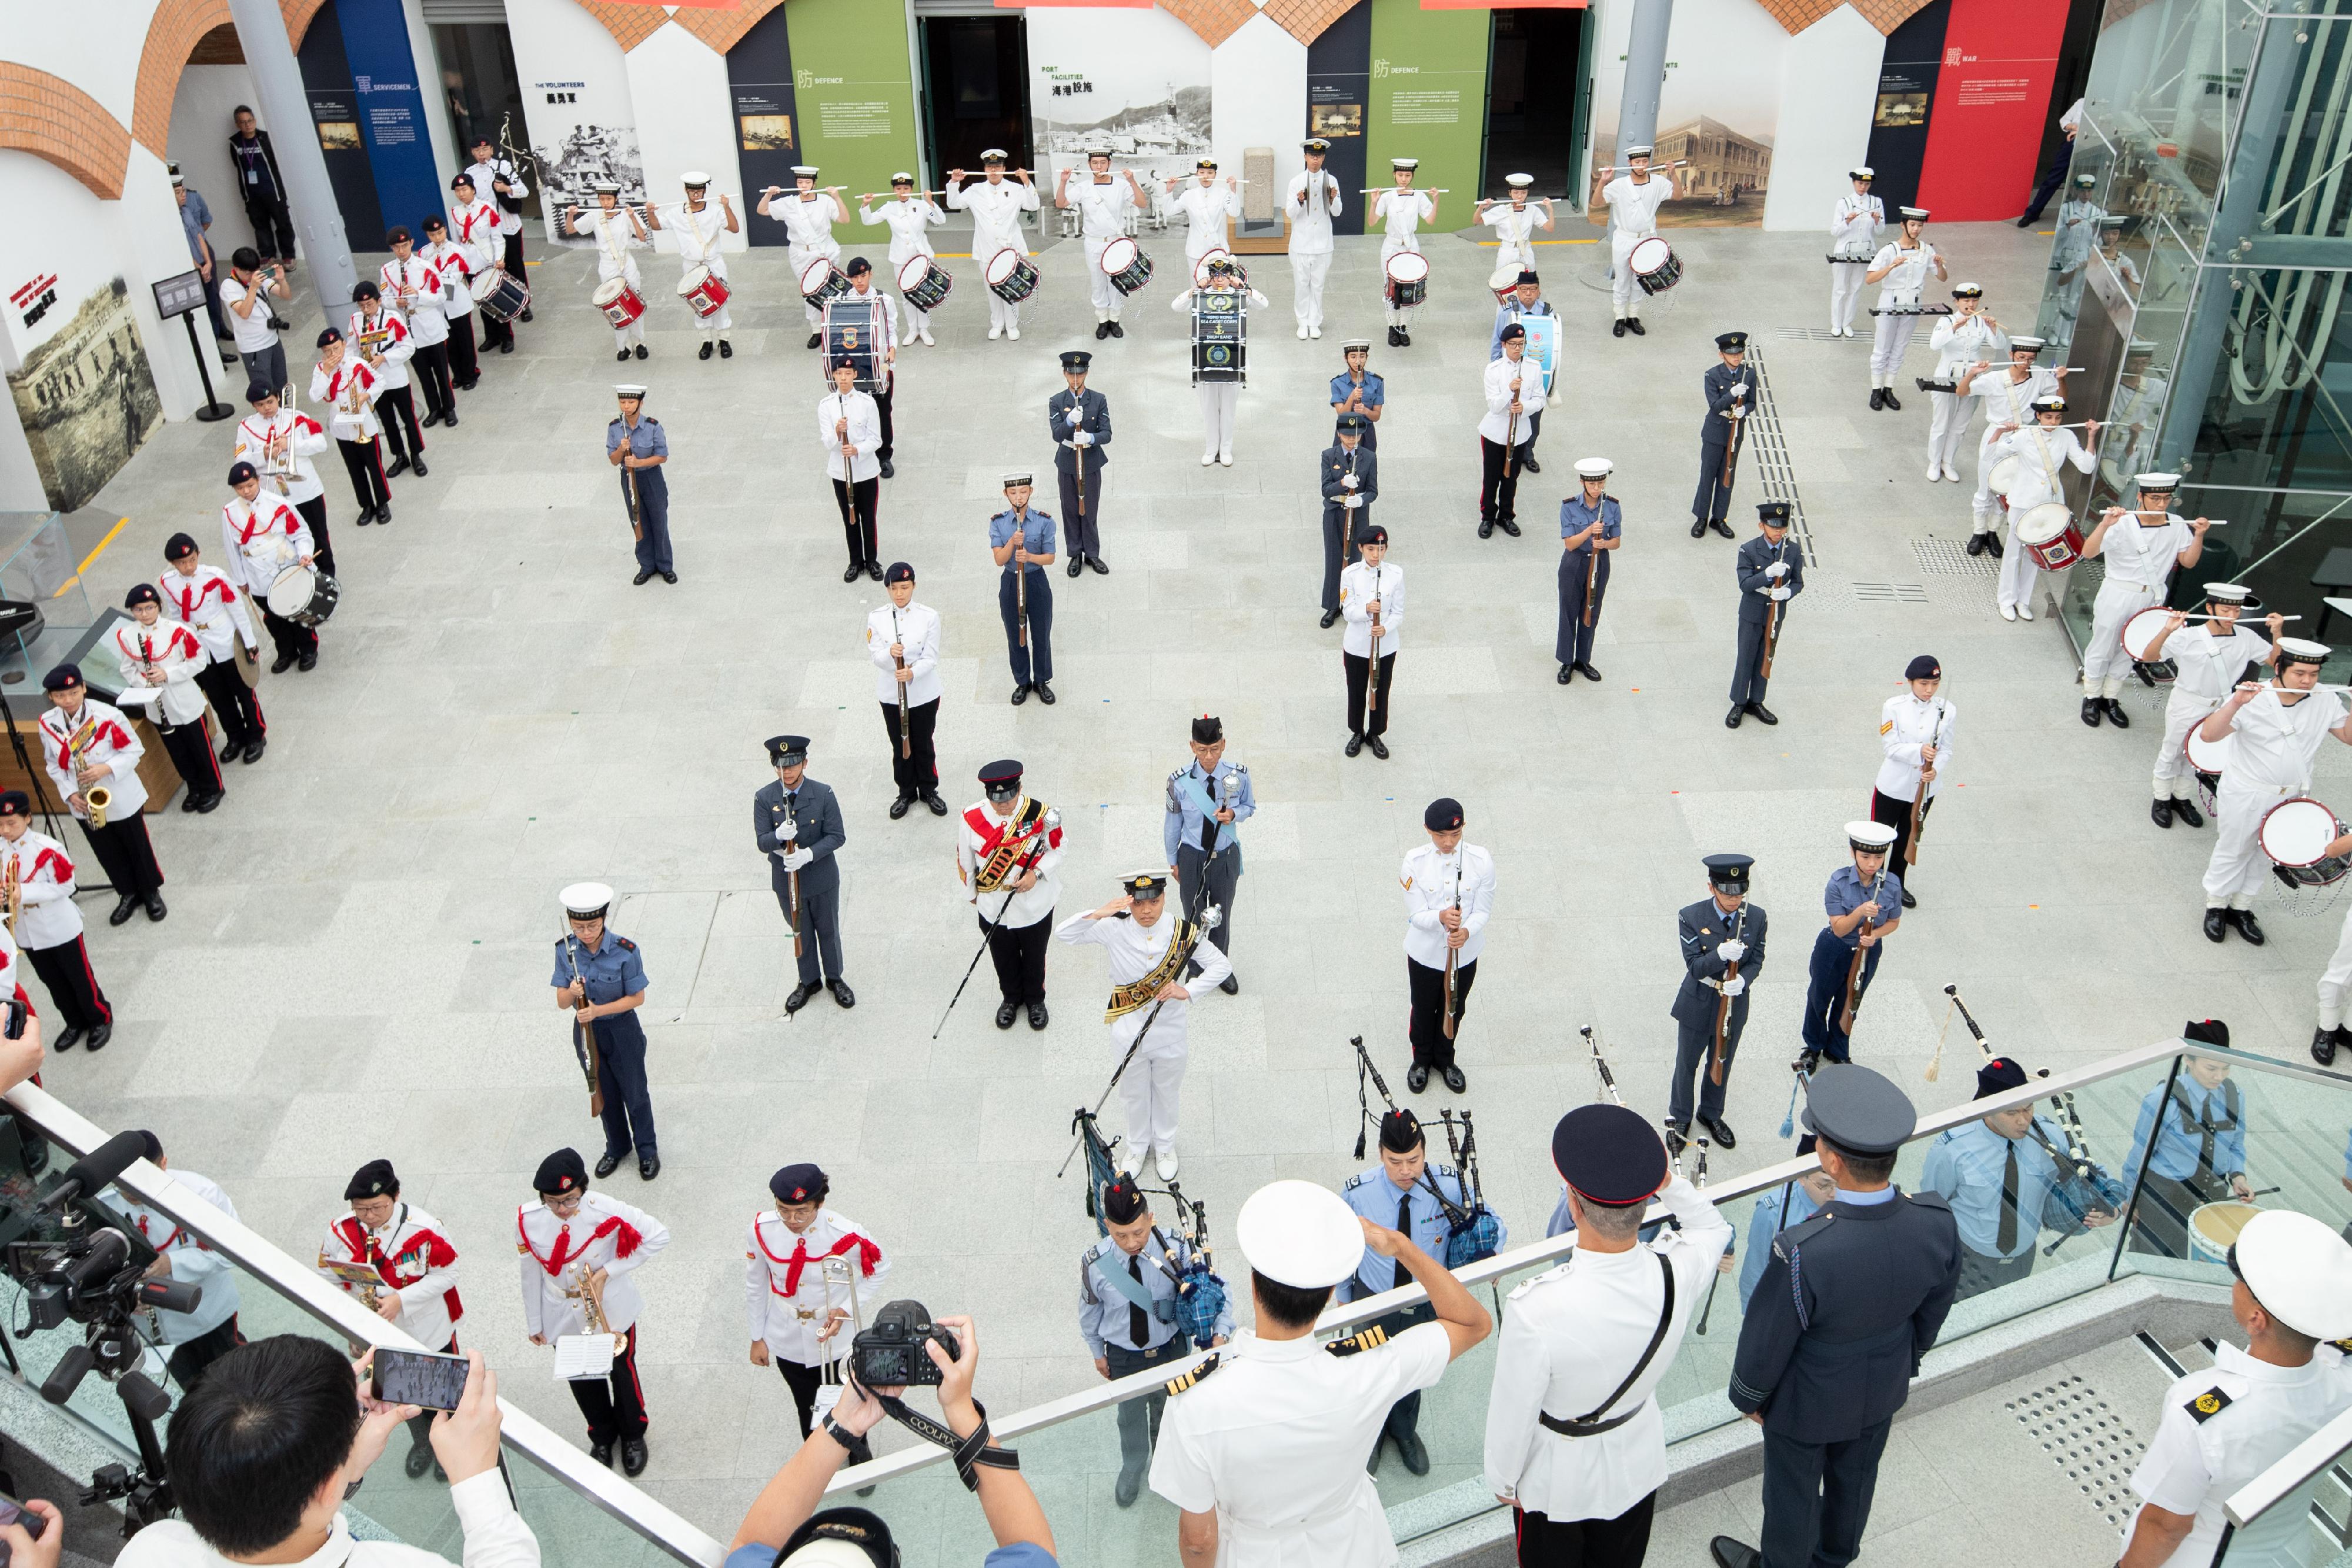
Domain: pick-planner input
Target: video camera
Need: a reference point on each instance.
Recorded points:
(890, 1354)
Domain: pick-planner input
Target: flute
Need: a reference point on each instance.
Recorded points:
(1628, 168)
(1411, 190)
(2257, 620)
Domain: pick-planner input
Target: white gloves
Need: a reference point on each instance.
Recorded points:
(796, 858)
(1349, 481)
(1352, 500)
(1731, 952)
(1778, 568)
(1781, 592)
(1733, 986)
(1080, 438)
(1076, 414)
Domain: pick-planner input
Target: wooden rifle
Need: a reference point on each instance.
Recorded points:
(1021, 578)
(1592, 567)
(1921, 800)
(790, 838)
(583, 1030)
(906, 742)
(1372, 666)
(1772, 618)
(1451, 952)
(1854, 970)
(1738, 422)
(1723, 1004)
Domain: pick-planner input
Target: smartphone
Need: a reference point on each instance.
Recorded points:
(13, 1512)
(421, 1377)
(16, 1030)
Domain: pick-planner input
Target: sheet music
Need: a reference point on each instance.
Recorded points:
(579, 1356)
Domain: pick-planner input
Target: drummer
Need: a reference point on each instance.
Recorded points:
(2208, 659)
(996, 206)
(698, 225)
(1404, 210)
(1628, 206)
(2279, 727)
(2043, 450)
(1102, 204)
(1220, 400)
(1207, 204)
(1514, 219)
(617, 229)
(1901, 268)
(2199, 1122)
(2140, 555)
(808, 217)
(1357, 390)
(2009, 399)
(909, 215)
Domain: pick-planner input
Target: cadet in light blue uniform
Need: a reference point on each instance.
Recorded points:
(1357, 390)
(1402, 1192)
(1590, 526)
(1792, 1204)
(1033, 661)
(1127, 1313)
(1209, 788)
(602, 976)
(1851, 890)
(2201, 1145)
(1998, 1173)
(648, 446)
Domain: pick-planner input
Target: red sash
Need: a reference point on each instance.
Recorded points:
(625, 1239)
(868, 1255)
(438, 1254)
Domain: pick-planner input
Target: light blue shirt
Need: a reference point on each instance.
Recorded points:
(613, 968)
(2178, 1145)
(1509, 314)
(645, 438)
(1775, 1212)
(1865, 1199)
(1036, 530)
(1847, 892)
(1575, 516)
(1968, 1166)
(1103, 1307)
(1019, 1554)
(1371, 1195)
(1181, 825)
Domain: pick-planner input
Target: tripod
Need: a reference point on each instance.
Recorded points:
(112, 1351)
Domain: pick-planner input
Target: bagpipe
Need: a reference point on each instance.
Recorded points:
(1472, 1232)
(1200, 1291)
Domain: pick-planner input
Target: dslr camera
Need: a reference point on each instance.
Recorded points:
(890, 1354)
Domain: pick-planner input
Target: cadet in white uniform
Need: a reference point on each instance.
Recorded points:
(1901, 268)
(1449, 893)
(808, 218)
(1371, 597)
(1401, 211)
(1220, 400)
(908, 216)
(279, 443)
(1961, 340)
(996, 205)
(796, 1313)
(1853, 239)
(1006, 850)
(2209, 660)
(2043, 450)
(1575, 1441)
(1103, 205)
(1515, 220)
(2225, 1425)
(2279, 727)
(1148, 958)
(1205, 208)
(1313, 201)
(48, 925)
(577, 1251)
(1630, 201)
(2008, 394)
(698, 223)
(2141, 549)
(617, 230)
(902, 639)
(382, 341)
(1915, 741)
(164, 657)
(1263, 1448)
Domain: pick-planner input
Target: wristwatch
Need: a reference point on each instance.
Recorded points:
(839, 1433)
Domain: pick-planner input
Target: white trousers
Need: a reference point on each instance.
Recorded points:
(1948, 425)
(1988, 508)
(1889, 337)
(2183, 711)
(1220, 401)
(916, 320)
(1149, 1088)
(1624, 294)
(2239, 868)
(1107, 299)
(630, 335)
(2020, 572)
(797, 258)
(1002, 312)
(1845, 293)
(2336, 980)
(1306, 275)
(2103, 660)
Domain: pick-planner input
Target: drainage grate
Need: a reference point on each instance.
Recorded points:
(1823, 335)
(1771, 451)
(1890, 592)
(1950, 558)
(2095, 1445)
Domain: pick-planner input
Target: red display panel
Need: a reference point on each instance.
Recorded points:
(1992, 97)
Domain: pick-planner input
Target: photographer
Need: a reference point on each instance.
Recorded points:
(262, 1454)
(783, 1528)
(197, 1339)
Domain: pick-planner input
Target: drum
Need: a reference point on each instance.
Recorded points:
(924, 284)
(856, 329)
(621, 304)
(821, 281)
(2141, 631)
(501, 296)
(1220, 336)
(1407, 273)
(1011, 276)
(2295, 834)
(703, 289)
(1124, 264)
(2213, 1229)
(1504, 279)
(1654, 265)
(303, 595)
(2005, 475)
(1218, 252)
(2207, 760)
(2049, 535)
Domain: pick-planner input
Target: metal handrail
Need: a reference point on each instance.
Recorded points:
(305, 1288)
(2296, 1467)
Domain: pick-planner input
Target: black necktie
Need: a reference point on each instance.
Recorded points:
(2005, 1237)
(1139, 1322)
(1403, 1276)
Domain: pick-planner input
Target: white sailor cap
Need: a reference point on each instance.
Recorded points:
(1909, 213)
(177, 178)
(1968, 291)
(586, 900)
(1315, 144)
(1862, 171)
(991, 155)
(694, 179)
(1875, 838)
(1519, 182)
(2299, 1269)
(1640, 150)
(2049, 402)
(1353, 344)
(2302, 651)
(1299, 1234)
(1594, 467)
(606, 187)
(2086, 179)
(2163, 482)
(2031, 344)
(2139, 346)
(630, 389)
(902, 178)
(1407, 165)
(2227, 593)
(804, 170)
(1200, 163)
(1097, 150)
(1021, 477)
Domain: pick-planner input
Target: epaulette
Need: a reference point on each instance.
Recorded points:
(1184, 1380)
(1237, 767)
(1353, 1182)
(2208, 1404)
(625, 942)
(647, 419)
(2343, 1344)
(1356, 1343)
(1796, 1236)
(1929, 1200)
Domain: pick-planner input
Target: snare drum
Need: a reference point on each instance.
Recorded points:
(501, 296)
(1408, 274)
(2213, 1228)
(2141, 631)
(2295, 834)
(1502, 280)
(1654, 265)
(704, 290)
(1218, 252)
(2049, 535)
(621, 304)
(1124, 262)
(821, 281)
(1011, 276)
(303, 595)
(2207, 760)
(923, 284)
(2006, 475)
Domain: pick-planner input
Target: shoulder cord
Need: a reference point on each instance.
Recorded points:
(967, 1452)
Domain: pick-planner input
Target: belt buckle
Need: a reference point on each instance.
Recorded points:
(805, 1314)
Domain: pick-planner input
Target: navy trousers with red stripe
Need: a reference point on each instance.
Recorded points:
(65, 970)
(238, 705)
(616, 1411)
(363, 461)
(191, 749)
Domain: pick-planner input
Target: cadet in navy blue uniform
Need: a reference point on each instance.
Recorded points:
(1591, 529)
(1717, 932)
(600, 977)
(1351, 483)
(1126, 1313)
(1078, 419)
(1402, 1193)
(1998, 1173)
(647, 449)
(799, 812)
(1771, 571)
(1863, 889)
(2201, 1145)
(1207, 854)
(1731, 394)
(1357, 390)
(1850, 1302)
(1020, 532)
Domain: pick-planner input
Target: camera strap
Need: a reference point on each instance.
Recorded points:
(967, 1452)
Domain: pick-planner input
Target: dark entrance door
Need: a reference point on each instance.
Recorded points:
(1536, 98)
(975, 90)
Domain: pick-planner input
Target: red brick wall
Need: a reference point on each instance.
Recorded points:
(171, 39)
(54, 120)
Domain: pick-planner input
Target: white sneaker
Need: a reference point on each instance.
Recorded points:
(1226, 458)
(1014, 333)
(2025, 612)
(907, 340)
(1130, 1160)
(926, 336)
(1207, 458)
(1314, 332)
(1934, 473)
(1951, 473)
(1165, 1164)
(995, 331)
(1302, 332)
(2008, 612)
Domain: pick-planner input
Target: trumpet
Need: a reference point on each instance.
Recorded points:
(100, 798)
(11, 893)
(592, 1309)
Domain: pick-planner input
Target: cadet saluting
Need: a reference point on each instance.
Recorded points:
(795, 810)
(1723, 951)
(1208, 801)
(1591, 529)
(1351, 483)
(1731, 393)
(1849, 1303)
(1769, 574)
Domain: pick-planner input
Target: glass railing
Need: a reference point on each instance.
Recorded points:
(2283, 1515)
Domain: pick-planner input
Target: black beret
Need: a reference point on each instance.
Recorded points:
(178, 545)
(1400, 1133)
(1511, 331)
(1998, 1076)
(1375, 534)
(459, 178)
(799, 1183)
(15, 803)
(857, 264)
(364, 290)
(376, 1179)
(64, 678)
(1609, 1155)
(256, 390)
(398, 234)
(1208, 729)
(2208, 1031)
(562, 1171)
(899, 572)
(1122, 1201)
(142, 593)
(238, 473)
(330, 336)
(1922, 668)
(1444, 815)
(1528, 275)
(842, 362)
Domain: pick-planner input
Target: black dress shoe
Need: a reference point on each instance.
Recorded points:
(280, 664)
(1020, 695)
(229, 752)
(2188, 812)
(641, 354)
(1379, 747)
(1116, 330)
(526, 312)
(649, 1168)
(2116, 714)
(1877, 397)
(849, 573)
(427, 423)
(1617, 327)
(1005, 1013)
(450, 419)
(2160, 812)
(1102, 331)
(1045, 692)
(2217, 925)
(1992, 544)
(1404, 338)
(1329, 617)
(842, 993)
(1485, 528)
(1720, 526)
(1506, 525)
(72, 1038)
(1730, 1553)
(1095, 564)
(2025, 223)
(1566, 674)
(621, 355)
(507, 347)
(419, 466)
(308, 661)
(1584, 667)
(644, 576)
(98, 1036)
(873, 569)
(1037, 1015)
(1355, 744)
(1722, 1131)
(706, 351)
(419, 1460)
(602, 1453)
(211, 803)
(725, 349)
(155, 910)
(2323, 1046)
(2243, 919)
(606, 1163)
(1762, 714)
(898, 807)
(1891, 400)
(1416, 1078)
(1415, 1456)
(931, 797)
(253, 752)
(1077, 564)
(1231, 985)
(669, 576)
(800, 995)
(384, 515)
(188, 803)
(2092, 708)
(888, 471)
(1976, 543)
(1455, 1081)
(1530, 465)
(1698, 528)
(1634, 324)
(815, 339)
(1909, 902)
(399, 467)
(1731, 719)
(633, 1449)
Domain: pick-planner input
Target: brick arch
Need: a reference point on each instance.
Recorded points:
(1306, 20)
(56, 121)
(172, 38)
(722, 30)
(629, 25)
(1888, 14)
(1214, 20)
(298, 15)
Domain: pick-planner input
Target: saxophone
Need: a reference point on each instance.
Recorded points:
(11, 893)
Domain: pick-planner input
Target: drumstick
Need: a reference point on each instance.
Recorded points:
(2258, 619)
(1407, 190)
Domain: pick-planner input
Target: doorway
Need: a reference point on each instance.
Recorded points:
(975, 90)
(1538, 94)
(484, 91)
